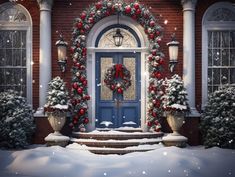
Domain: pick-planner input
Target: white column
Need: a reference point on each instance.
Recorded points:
(45, 49)
(189, 51)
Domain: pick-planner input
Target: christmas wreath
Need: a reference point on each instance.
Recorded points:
(117, 78)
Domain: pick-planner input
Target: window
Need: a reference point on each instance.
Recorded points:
(218, 48)
(15, 50)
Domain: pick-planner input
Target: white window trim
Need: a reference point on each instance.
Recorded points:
(27, 26)
(208, 26)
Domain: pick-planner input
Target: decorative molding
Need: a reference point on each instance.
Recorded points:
(222, 14)
(189, 5)
(45, 5)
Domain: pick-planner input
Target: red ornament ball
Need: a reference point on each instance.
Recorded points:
(149, 124)
(82, 111)
(83, 16)
(107, 13)
(158, 75)
(152, 23)
(88, 97)
(154, 114)
(156, 122)
(136, 6)
(80, 90)
(158, 33)
(119, 90)
(151, 36)
(112, 87)
(86, 120)
(128, 10)
(138, 12)
(82, 67)
(98, 5)
(79, 25)
(84, 83)
(161, 62)
(75, 85)
(150, 58)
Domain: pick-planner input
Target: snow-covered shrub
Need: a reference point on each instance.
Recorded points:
(218, 119)
(57, 97)
(16, 120)
(175, 97)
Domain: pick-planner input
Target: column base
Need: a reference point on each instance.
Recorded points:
(194, 113)
(174, 140)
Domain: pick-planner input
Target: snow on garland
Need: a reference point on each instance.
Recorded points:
(82, 26)
(117, 78)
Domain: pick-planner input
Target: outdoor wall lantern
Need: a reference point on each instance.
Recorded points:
(118, 37)
(62, 53)
(173, 46)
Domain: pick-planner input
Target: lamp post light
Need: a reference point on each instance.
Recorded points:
(62, 53)
(173, 46)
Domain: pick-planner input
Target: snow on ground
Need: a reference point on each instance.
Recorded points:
(163, 162)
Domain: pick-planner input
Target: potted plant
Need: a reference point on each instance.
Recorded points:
(175, 103)
(56, 106)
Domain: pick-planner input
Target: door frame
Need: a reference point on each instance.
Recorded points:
(91, 68)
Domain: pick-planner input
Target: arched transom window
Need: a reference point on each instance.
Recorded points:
(107, 41)
(15, 49)
(218, 47)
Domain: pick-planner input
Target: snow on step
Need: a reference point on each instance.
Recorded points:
(116, 143)
(113, 134)
(99, 150)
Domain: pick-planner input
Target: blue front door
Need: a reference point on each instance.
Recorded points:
(117, 110)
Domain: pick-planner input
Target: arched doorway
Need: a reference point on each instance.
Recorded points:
(108, 109)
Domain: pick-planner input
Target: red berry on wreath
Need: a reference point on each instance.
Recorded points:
(152, 23)
(107, 13)
(86, 120)
(80, 90)
(82, 111)
(88, 97)
(161, 62)
(82, 78)
(79, 25)
(112, 87)
(158, 75)
(136, 5)
(150, 58)
(158, 33)
(78, 65)
(128, 9)
(154, 114)
(119, 90)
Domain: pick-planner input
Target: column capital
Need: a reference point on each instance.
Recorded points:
(45, 4)
(189, 5)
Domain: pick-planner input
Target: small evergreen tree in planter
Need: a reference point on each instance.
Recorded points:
(175, 104)
(218, 119)
(56, 106)
(16, 120)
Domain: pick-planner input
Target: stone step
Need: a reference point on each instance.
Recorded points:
(112, 143)
(117, 135)
(121, 129)
(119, 151)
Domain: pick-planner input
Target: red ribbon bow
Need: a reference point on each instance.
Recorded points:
(119, 72)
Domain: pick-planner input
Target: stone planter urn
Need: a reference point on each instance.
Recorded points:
(57, 122)
(175, 121)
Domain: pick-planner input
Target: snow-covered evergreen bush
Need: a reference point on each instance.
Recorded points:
(218, 119)
(57, 97)
(175, 97)
(16, 120)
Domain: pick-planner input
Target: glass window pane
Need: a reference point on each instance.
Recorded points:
(16, 38)
(210, 90)
(225, 57)
(209, 57)
(216, 39)
(8, 40)
(216, 76)
(23, 39)
(2, 57)
(209, 76)
(232, 57)
(232, 39)
(232, 76)
(23, 57)
(210, 39)
(224, 76)
(8, 57)
(16, 57)
(2, 76)
(23, 76)
(216, 57)
(225, 39)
